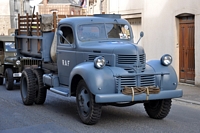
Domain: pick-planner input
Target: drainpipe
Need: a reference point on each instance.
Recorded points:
(101, 2)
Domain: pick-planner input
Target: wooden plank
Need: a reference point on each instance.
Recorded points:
(27, 24)
(38, 46)
(18, 24)
(23, 32)
(54, 21)
(37, 27)
(61, 16)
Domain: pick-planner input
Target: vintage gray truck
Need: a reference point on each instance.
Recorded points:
(94, 59)
(11, 63)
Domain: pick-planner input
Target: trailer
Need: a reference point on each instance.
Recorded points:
(95, 59)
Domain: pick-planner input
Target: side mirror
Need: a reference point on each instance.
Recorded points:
(59, 32)
(141, 34)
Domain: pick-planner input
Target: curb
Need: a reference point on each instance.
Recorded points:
(187, 101)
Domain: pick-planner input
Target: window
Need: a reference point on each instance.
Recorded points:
(15, 6)
(89, 32)
(118, 31)
(67, 34)
(10, 46)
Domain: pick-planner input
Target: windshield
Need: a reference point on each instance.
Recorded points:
(89, 32)
(10, 46)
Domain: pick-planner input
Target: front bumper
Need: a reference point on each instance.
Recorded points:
(112, 98)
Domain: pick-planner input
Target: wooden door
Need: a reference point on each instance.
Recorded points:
(186, 51)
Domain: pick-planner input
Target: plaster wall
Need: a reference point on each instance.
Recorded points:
(161, 26)
(5, 17)
(161, 29)
(126, 6)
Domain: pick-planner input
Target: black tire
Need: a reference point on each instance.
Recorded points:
(1, 80)
(9, 79)
(41, 90)
(158, 109)
(88, 110)
(27, 87)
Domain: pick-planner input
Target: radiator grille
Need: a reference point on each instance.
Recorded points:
(126, 59)
(142, 58)
(131, 59)
(127, 81)
(92, 57)
(30, 62)
(147, 80)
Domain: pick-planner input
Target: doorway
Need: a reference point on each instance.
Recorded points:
(186, 50)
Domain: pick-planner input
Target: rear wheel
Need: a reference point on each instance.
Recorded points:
(88, 110)
(41, 90)
(9, 79)
(27, 87)
(158, 109)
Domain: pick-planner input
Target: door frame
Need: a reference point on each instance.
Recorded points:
(190, 19)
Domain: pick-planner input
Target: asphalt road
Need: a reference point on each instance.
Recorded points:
(59, 115)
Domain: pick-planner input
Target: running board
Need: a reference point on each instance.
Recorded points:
(64, 91)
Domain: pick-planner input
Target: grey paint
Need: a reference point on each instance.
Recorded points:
(106, 84)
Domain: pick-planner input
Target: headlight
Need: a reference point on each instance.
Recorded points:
(18, 62)
(166, 60)
(99, 62)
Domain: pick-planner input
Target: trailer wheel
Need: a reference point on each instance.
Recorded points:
(1, 80)
(158, 109)
(41, 90)
(88, 110)
(27, 87)
(9, 79)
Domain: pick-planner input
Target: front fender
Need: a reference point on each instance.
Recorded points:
(99, 81)
(170, 81)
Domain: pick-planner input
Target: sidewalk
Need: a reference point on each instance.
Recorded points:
(191, 94)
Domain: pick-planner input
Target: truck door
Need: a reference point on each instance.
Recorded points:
(65, 54)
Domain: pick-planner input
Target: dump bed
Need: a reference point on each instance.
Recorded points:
(35, 34)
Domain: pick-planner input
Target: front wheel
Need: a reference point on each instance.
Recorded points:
(158, 109)
(88, 110)
(27, 87)
(9, 79)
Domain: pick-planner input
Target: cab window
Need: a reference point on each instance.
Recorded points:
(68, 34)
(10, 46)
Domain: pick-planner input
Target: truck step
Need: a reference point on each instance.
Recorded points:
(64, 91)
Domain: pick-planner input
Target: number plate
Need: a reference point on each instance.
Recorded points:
(17, 74)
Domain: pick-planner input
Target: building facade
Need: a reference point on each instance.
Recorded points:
(8, 14)
(61, 7)
(170, 26)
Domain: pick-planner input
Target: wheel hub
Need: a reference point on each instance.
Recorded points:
(84, 101)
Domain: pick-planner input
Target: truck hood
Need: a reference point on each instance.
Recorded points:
(124, 48)
(10, 59)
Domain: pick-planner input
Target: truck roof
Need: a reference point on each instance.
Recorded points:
(7, 38)
(91, 19)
